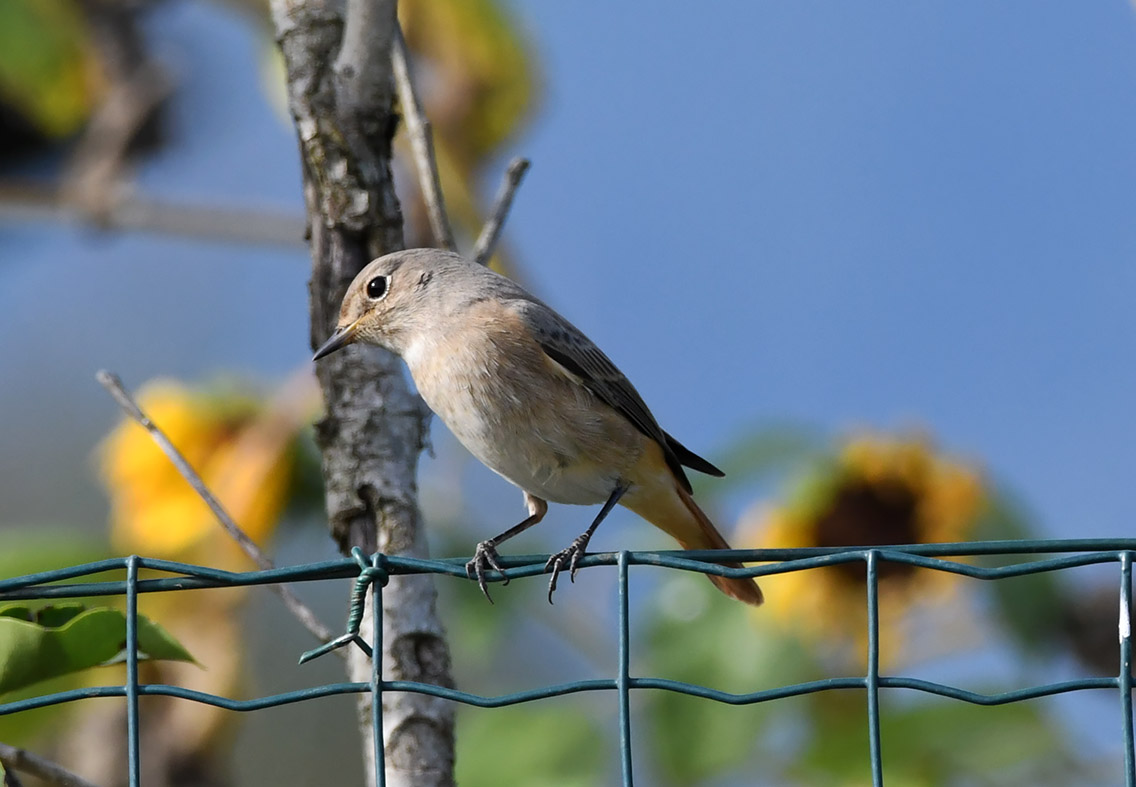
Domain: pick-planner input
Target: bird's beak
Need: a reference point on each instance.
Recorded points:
(343, 336)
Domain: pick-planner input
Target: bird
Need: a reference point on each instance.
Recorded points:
(531, 397)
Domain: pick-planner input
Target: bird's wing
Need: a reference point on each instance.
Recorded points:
(568, 346)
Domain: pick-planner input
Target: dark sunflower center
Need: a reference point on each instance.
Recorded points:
(870, 514)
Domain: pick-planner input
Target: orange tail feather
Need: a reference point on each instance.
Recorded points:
(742, 589)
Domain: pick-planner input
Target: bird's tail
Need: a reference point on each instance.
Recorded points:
(708, 537)
(681, 517)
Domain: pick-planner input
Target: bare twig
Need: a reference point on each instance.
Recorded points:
(422, 143)
(225, 224)
(21, 760)
(94, 179)
(302, 613)
(487, 241)
(22, 201)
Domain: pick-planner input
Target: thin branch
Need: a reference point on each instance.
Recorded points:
(422, 143)
(302, 613)
(21, 760)
(25, 201)
(94, 180)
(487, 241)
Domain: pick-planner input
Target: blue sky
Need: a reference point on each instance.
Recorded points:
(881, 213)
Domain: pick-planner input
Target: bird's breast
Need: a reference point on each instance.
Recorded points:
(522, 417)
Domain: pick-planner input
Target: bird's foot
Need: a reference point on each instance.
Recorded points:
(566, 558)
(485, 557)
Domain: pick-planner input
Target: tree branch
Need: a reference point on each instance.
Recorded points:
(373, 429)
(21, 760)
(94, 178)
(362, 78)
(422, 143)
(129, 406)
(93, 181)
(25, 200)
(487, 240)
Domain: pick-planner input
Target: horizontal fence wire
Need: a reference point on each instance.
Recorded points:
(62, 584)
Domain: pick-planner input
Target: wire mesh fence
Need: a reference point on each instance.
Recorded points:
(1037, 556)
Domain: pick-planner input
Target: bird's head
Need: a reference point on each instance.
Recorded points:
(392, 299)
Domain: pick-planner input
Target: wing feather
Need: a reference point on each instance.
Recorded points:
(569, 347)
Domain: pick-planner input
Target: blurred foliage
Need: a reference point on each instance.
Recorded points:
(552, 744)
(693, 637)
(38, 644)
(481, 83)
(934, 741)
(820, 738)
(1026, 606)
(50, 75)
(1045, 614)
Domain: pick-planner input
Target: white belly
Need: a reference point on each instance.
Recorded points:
(546, 434)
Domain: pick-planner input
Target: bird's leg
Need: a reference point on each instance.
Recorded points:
(485, 555)
(572, 554)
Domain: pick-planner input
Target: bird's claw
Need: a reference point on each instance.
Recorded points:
(485, 557)
(571, 556)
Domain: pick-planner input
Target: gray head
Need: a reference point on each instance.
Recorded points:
(400, 294)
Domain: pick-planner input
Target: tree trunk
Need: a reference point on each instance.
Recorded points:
(340, 91)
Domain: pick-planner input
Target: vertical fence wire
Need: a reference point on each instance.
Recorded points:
(873, 679)
(1125, 636)
(133, 750)
(377, 678)
(623, 682)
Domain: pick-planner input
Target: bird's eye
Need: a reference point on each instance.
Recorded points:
(377, 287)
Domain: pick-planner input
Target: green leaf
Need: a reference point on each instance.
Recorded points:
(36, 645)
(48, 69)
(30, 549)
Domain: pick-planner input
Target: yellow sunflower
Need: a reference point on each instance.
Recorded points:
(241, 447)
(877, 490)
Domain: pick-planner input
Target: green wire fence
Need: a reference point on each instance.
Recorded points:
(373, 573)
